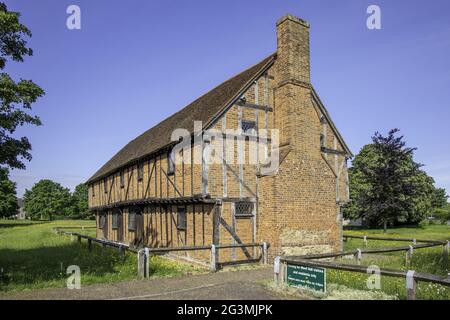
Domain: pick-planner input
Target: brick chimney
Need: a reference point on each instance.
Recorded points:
(293, 88)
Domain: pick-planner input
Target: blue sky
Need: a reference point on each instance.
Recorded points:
(133, 63)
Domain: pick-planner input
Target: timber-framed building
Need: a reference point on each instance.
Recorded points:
(169, 188)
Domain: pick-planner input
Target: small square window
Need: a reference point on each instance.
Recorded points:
(93, 191)
(140, 172)
(243, 209)
(171, 163)
(248, 126)
(122, 179)
(181, 219)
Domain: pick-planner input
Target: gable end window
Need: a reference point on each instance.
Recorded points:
(248, 126)
(171, 163)
(122, 179)
(243, 209)
(140, 172)
(181, 219)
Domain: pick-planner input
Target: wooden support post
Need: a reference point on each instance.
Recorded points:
(264, 252)
(411, 285)
(445, 253)
(283, 267)
(213, 258)
(122, 253)
(358, 256)
(141, 264)
(409, 255)
(365, 241)
(147, 262)
(276, 271)
(89, 245)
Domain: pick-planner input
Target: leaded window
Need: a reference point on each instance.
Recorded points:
(181, 219)
(248, 126)
(122, 179)
(132, 220)
(115, 219)
(243, 209)
(140, 172)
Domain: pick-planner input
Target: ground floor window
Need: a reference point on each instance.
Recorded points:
(243, 209)
(102, 221)
(181, 218)
(115, 219)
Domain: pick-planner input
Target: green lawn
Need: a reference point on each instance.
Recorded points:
(33, 256)
(428, 260)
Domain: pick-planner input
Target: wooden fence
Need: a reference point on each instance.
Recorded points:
(412, 277)
(143, 254)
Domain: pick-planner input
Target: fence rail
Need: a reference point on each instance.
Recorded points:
(412, 277)
(143, 254)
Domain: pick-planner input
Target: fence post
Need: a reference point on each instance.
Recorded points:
(411, 285)
(141, 264)
(89, 245)
(414, 241)
(276, 270)
(122, 252)
(365, 241)
(213, 258)
(147, 262)
(264, 252)
(358, 256)
(445, 252)
(409, 255)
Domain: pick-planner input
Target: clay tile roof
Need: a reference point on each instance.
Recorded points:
(203, 109)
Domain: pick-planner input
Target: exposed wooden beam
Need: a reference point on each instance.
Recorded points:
(254, 106)
(333, 151)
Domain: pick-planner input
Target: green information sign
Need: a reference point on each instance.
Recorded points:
(307, 277)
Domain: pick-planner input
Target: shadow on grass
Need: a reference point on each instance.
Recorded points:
(20, 224)
(35, 267)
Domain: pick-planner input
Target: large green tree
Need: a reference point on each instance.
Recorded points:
(387, 185)
(16, 98)
(8, 197)
(80, 202)
(47, 199)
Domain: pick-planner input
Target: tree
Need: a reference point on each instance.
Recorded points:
(16, 98)
(387, 185)
(439, 198)
(80, 202)
(8, 198)
(46, 199)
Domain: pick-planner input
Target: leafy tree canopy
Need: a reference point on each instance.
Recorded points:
(80, 202)
(46, 199)
(387, 185)
(8, 198)
(16, 98)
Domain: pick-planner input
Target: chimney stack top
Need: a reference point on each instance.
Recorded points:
(294, 19)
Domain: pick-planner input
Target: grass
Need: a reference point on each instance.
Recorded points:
(429, 260)
(32, 256)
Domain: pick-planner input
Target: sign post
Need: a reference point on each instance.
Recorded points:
(311, 278)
